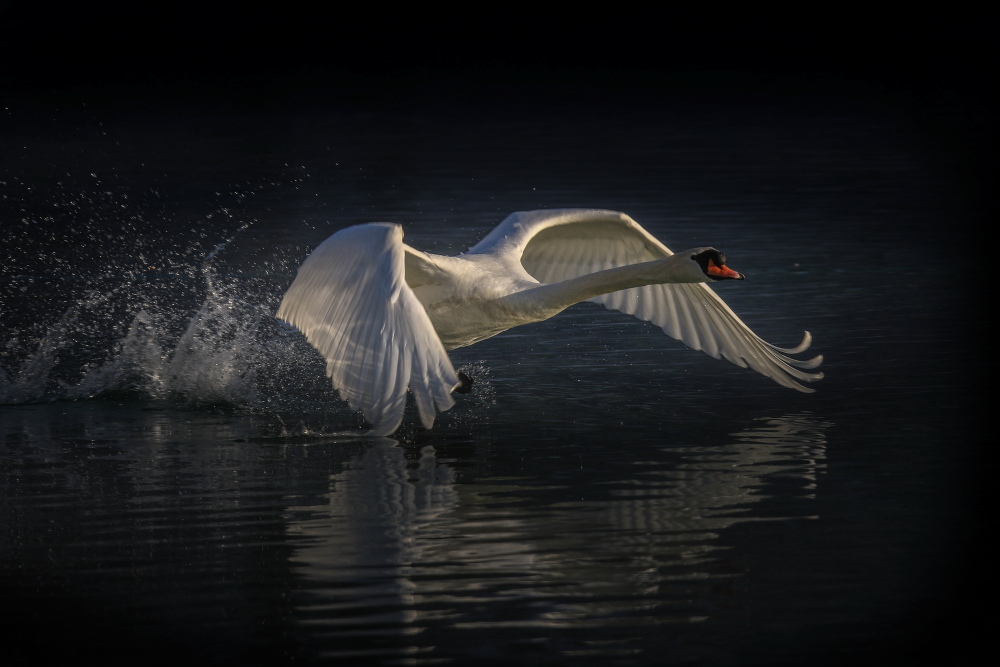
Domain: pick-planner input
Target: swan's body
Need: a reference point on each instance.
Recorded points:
(382, 314)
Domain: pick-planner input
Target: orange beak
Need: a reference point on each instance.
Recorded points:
(723, 272)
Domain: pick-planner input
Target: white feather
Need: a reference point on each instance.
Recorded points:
(560, 245)
(351, 301)
(382, 314)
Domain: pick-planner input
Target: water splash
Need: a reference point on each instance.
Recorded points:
(226, 350)
(125, 339)
(107, 289)
(474, 407)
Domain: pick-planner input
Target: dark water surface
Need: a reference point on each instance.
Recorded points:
(174, 484)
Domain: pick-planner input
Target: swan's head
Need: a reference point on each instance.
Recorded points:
(712, 264)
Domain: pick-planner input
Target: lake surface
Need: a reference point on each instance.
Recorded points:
(178, 480)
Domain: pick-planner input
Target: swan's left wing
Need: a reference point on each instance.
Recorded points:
(351, 300)
(556, 245)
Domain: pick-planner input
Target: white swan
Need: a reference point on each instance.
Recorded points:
(382, 314)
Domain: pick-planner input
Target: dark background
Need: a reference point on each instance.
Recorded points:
(200, 54)
(198, 58)
(931, 73)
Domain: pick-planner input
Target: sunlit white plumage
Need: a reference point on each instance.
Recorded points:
(382, 314)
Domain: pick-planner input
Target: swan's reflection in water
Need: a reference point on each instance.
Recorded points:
(403, 558)
(362, 550)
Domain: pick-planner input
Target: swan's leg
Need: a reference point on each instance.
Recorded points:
(465, 385)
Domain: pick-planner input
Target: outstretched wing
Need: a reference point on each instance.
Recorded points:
(351, 300)
(560, 244)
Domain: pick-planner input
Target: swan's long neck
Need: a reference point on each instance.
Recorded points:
(556, 297)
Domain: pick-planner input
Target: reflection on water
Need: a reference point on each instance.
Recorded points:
(371, 550)
(400, 549)
(362, 549)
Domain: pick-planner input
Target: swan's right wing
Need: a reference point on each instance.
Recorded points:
(694, 314)
(557, 245)
(351, 300)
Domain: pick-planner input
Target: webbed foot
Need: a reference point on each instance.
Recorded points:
(466, 385)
